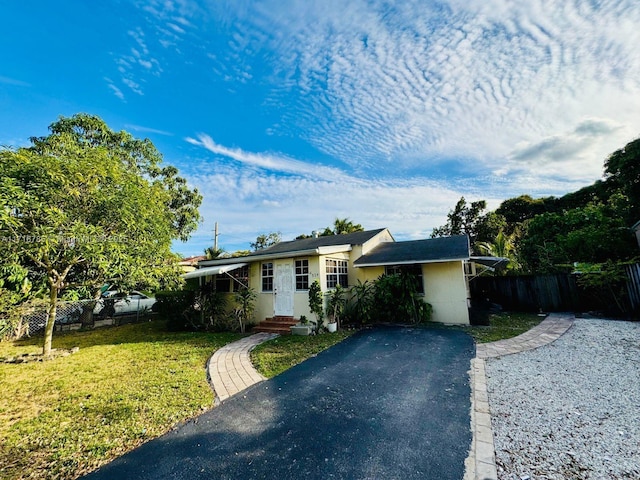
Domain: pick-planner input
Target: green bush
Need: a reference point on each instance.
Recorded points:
(396, 300)
(174, 307)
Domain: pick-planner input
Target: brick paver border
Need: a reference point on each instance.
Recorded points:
(481, 462)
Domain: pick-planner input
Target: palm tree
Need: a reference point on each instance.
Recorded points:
(503, 246)
(344, 225)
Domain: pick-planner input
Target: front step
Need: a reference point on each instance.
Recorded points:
(278, 324)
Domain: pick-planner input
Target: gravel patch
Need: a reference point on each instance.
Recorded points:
(570, 409)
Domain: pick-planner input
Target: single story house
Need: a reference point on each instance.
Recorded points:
(281, 274)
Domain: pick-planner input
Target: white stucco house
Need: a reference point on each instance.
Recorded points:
(282, 273)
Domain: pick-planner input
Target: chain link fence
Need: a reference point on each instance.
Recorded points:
(81, 314)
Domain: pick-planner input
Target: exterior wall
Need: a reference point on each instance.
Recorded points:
(446, 290)
(265, 303)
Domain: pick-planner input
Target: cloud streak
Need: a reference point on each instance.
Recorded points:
(271, 162)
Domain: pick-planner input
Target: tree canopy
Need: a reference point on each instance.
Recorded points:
(86, 205)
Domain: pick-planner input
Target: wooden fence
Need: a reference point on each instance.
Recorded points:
(558, 293)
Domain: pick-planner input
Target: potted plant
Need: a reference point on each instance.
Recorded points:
(335, 307)
(303, 327)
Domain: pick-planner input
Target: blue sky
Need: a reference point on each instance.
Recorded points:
(288, 114)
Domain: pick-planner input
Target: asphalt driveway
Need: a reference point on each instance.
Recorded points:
(388, 403)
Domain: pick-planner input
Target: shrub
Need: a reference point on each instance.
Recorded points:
(174, 307)
(396, 300)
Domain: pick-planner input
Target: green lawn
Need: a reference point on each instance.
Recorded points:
(63, 418)
(275, 356)
(126, 385)
(504, 325)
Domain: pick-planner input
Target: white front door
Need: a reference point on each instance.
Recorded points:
(284, 289)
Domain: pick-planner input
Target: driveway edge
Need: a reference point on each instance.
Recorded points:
(481, 462)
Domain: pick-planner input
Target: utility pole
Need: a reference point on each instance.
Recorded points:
(215, 237)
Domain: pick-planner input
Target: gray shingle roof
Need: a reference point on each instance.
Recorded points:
(357, 238)
(305, 244)
(417, 251)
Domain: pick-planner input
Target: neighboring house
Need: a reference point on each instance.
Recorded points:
(189, 264)
(282, 273)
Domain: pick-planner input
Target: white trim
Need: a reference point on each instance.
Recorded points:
(410, 262)
(328, 250)
(264, 258)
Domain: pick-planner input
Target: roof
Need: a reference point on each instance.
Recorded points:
(305, 246)
(431, 250)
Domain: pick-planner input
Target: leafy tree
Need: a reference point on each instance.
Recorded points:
(592, 234)
(266, 240)
(623, 168)
(88, 205)
(342, 226)
(517, 210)
(503, 246)
(467, 219)
(213, 253)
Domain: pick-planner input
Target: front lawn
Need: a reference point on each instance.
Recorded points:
(275, 356)
(504, 325)
(65, 417)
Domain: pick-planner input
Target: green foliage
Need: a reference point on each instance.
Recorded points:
(606, 281)
(174, 307)
(360, 308)
(467, 219)
(342, 226)
(316, 304)
(266, 240)
(396, 300)
(246, 303)
(86, 205)
(623, 168)
(336, 303)
(503, 246)
(592, 234)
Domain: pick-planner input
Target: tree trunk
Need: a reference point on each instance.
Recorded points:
(51, 319)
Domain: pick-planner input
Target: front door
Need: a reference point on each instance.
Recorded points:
(284, 290)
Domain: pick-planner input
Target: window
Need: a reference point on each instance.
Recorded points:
(241, 277)
(302, 274)
(337, 273)
(223, 283)
(414, 271)
(267, 277)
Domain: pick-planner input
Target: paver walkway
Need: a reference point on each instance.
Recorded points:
(230, 370)
(546, 332)
(481, 463)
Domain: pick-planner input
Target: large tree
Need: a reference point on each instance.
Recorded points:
(85, 205)
(622, 168)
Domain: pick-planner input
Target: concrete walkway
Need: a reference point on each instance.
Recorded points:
(230, 370)
(481, 464)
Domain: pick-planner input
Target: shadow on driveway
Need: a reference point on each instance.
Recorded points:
(388, 403)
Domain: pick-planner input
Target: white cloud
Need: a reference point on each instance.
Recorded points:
(13, 81)
(416, 82)
(246, 198)
(116, 91)
(273, 162)
(139, 128)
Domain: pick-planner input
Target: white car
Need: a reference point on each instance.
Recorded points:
(115, 303)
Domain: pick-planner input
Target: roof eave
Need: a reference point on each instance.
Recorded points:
(410, 262)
